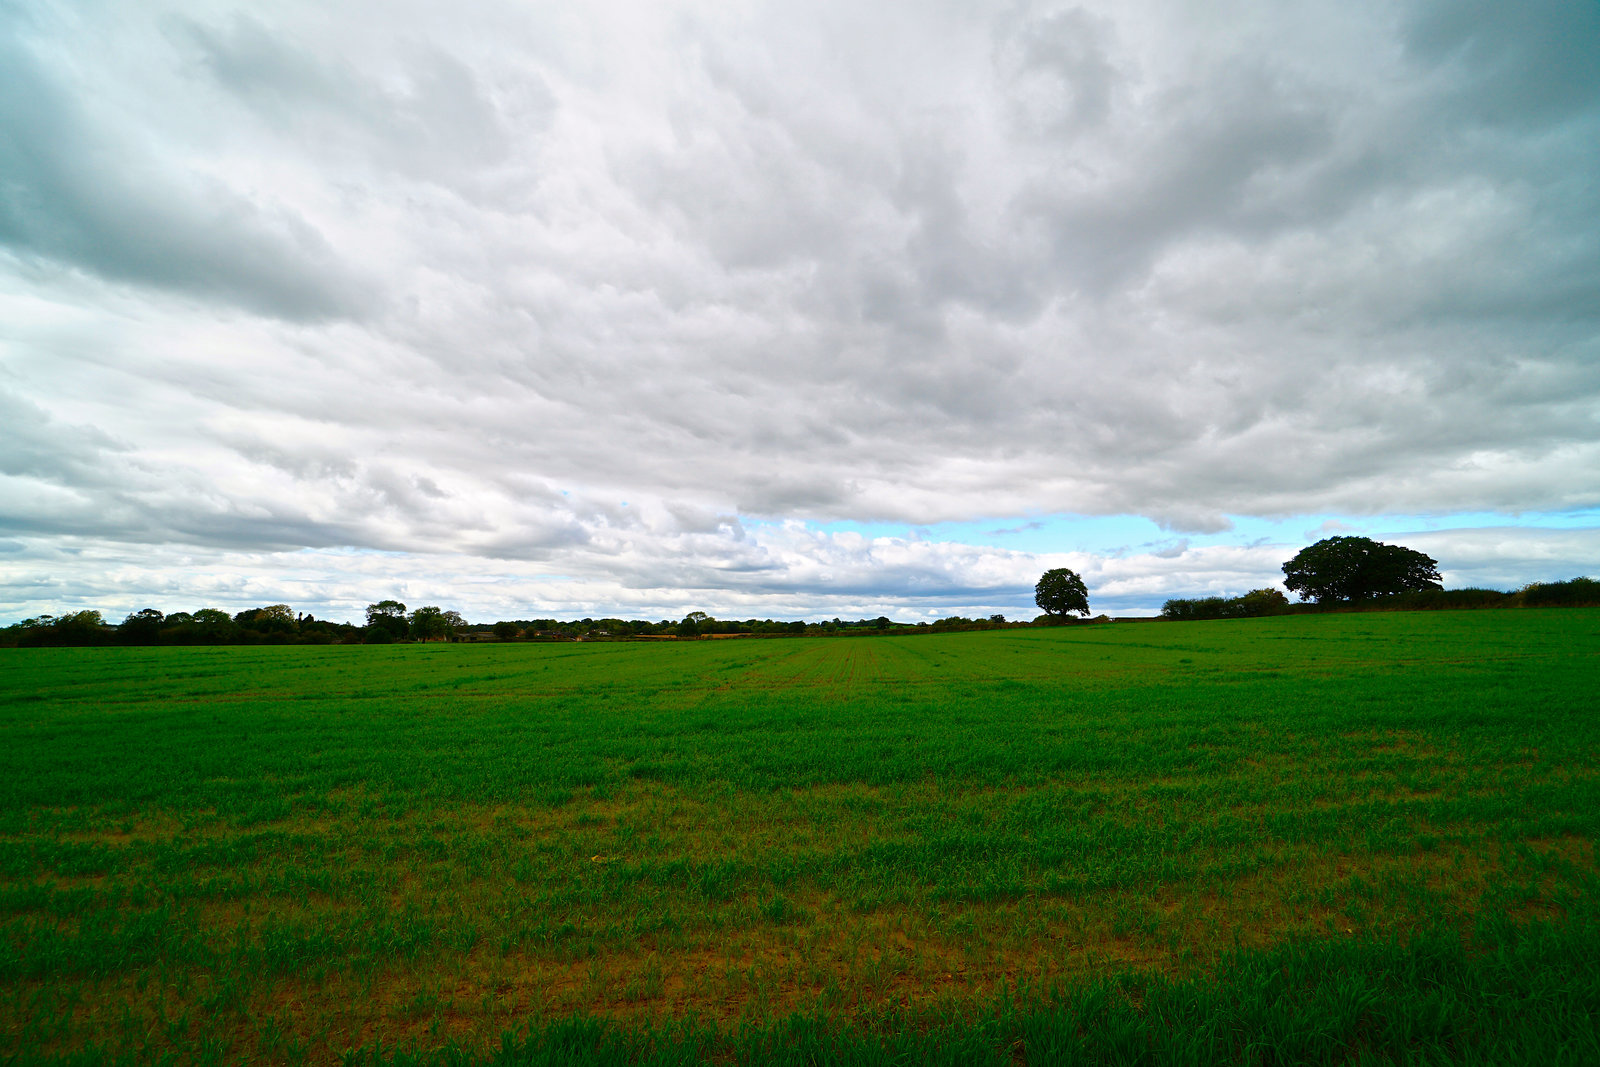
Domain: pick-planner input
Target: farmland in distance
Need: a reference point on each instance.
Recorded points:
(1006, 843)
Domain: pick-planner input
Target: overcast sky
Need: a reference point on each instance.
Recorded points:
(788, 310)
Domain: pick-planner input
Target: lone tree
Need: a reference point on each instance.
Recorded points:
(1338, 569)
(1061, 592)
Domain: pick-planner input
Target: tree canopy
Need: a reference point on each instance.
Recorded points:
(1340, 569)
(1061, 592)
(430, 622)
(389, 616)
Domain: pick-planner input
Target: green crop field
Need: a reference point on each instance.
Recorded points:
(1339, 838)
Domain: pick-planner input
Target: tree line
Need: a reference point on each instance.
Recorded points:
(390, 622)
(1334, 573)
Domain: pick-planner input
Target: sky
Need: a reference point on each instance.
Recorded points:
(788, 310)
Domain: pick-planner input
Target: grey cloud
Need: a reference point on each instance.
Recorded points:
(904, 263)
(1206, 169)
(1060, 70)
(1190, 520)
(37, 445)
(75, 192)
(1528, 64)
(309, 465)
(253, 529)
(532, 541)
(1506, 557)
(817, 576)
(439, 126)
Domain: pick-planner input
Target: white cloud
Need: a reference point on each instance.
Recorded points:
(658, 569)
(456, 283)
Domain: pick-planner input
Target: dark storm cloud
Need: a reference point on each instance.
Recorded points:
(1522, 67)
(466, 281)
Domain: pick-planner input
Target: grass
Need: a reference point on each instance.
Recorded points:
(1342, 838)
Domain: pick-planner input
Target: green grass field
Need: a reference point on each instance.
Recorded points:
(1341, 838)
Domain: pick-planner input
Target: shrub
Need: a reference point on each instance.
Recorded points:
(1449, 599)
(1255, 603)
(1577, 592)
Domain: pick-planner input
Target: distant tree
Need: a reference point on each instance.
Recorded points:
(506, 631)
(1266, 601)
(428, 623)
(1254, 603)
(1339, 569)
(1571, 593)
(1061, 592)
(694, 624)
(81, 628)
(141, 627)
(389, 615)
(272, 619)
(385, 609)
(212, 624)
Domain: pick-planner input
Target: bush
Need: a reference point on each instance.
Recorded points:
(1449, 600)
(1253, 604)
(1578, 592)
(377, 635)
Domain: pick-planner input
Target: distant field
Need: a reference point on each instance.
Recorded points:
(1334, 836)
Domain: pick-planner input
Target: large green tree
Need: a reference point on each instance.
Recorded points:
(1061, 592)
(1341, 569)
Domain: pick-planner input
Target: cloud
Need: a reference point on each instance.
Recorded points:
(1516, 69)
(43, 448)
(80, 192)
(1508, 557)
(781, 571)
(437, 124)
(462, 281)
